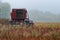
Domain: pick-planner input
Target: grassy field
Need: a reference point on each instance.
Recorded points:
(39, 31)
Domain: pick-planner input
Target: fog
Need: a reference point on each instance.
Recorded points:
(43, 5)
(40, 16)
(38, 10)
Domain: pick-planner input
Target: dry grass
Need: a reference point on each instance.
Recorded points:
(40, 31)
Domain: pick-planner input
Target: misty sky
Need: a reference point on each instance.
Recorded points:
(42, 5)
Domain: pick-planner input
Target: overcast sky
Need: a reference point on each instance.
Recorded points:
(43, 5)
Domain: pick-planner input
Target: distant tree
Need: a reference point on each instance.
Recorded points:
(5, 10)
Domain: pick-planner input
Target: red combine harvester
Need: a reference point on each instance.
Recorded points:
(19, 16)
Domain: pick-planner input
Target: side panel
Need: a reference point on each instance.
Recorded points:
(13, 14)
(24, 14)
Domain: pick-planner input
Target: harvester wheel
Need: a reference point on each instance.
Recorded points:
(28, 23)
(12, 22)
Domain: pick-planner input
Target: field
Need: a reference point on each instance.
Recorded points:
(39, 31)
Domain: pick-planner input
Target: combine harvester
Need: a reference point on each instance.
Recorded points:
(19, 16)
